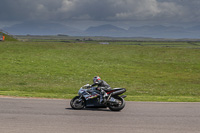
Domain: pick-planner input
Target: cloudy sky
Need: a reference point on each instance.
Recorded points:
(84, 13)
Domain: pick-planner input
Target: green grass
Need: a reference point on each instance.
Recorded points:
(149, 72)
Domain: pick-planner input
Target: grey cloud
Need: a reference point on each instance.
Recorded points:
(122, 10)
(100, 10)
(27, 9)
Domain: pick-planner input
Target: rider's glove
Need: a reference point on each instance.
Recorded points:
(89, 86)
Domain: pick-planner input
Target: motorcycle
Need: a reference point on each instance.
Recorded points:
(89, 97)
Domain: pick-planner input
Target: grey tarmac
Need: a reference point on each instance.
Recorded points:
(26, 115)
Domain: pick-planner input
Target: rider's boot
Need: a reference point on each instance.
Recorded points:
(103, 97)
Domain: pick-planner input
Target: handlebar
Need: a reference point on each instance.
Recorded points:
(87, 86)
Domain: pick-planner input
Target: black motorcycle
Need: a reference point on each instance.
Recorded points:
(90, 98)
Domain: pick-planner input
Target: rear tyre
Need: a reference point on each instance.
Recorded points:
(77, 103)
(119, 106)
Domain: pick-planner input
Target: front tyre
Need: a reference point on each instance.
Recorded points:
(77, 103)
(119, 106)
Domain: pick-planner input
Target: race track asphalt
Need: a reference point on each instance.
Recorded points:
(22, 115)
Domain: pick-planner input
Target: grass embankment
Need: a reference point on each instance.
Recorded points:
(58, 70)
(8, 38)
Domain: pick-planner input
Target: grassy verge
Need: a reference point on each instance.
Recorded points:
(58, 70)
(8, 38)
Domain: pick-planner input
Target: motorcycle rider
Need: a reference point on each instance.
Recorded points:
(102, 86)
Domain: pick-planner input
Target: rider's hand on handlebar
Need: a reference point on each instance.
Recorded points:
(89, 86)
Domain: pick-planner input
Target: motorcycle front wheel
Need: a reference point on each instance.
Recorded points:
(119, 106)
(77, 103)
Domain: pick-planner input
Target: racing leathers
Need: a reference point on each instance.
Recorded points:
(102, 86)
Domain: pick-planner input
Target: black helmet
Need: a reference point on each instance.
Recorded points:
(96, 79)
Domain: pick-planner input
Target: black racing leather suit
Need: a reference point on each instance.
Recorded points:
(102, 87)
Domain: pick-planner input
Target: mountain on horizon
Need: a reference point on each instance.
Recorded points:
(41, 28)
(105, 30)
(156, 31)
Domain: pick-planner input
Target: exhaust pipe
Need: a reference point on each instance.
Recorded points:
(119, 92)
(122, 90)
(123, 96)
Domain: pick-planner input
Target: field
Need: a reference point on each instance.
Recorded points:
(150, 71)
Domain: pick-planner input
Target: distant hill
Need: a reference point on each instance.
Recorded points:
(42, 28)
(156, 31)
(105, 30)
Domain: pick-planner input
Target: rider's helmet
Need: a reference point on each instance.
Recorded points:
(96, 79)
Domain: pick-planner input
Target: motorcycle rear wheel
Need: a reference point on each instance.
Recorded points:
(76, 103)
(118, 107)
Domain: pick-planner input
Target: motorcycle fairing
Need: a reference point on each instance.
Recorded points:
(93, 103)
